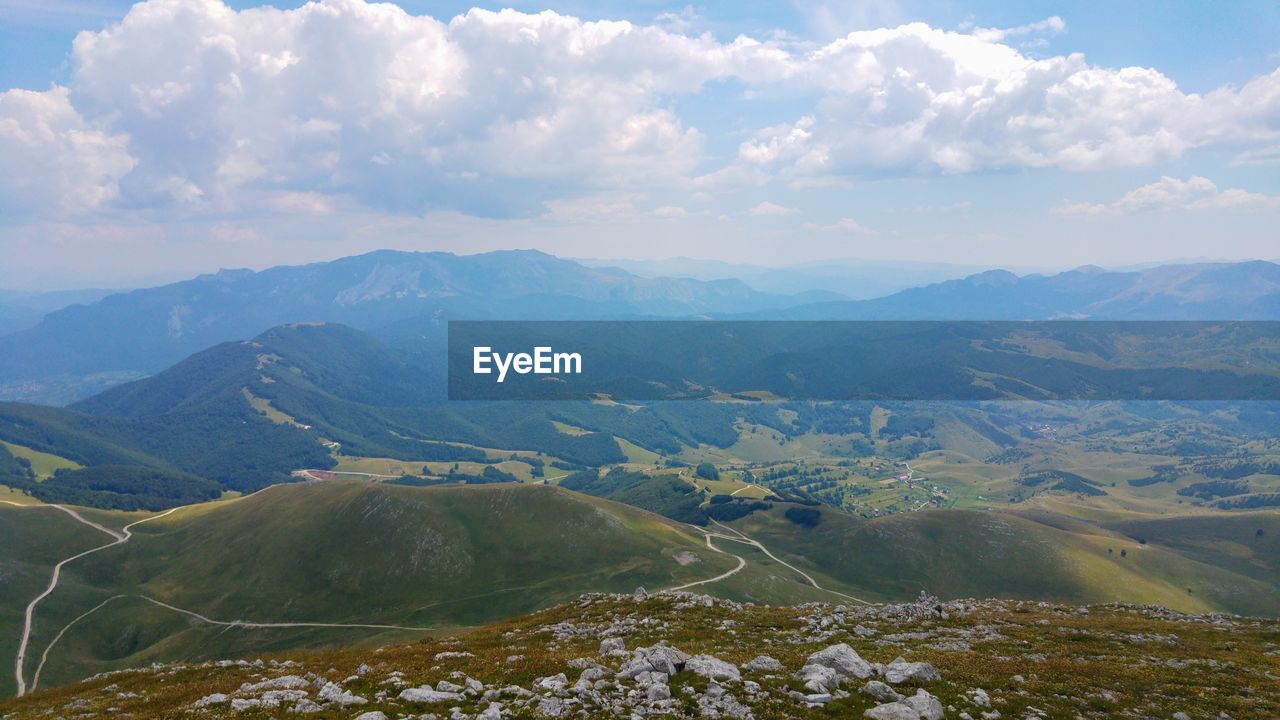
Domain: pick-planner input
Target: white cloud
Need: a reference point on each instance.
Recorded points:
(844, 225)
(1169, 193)
(670, 211)
(192, 107)
(55, 161)
(1049, 26)
(592, 207)
(770, 209)
(918, 99)
(1258, 156)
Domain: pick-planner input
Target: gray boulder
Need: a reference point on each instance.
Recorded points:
(763, 663)
(881, 692)
(827, 669)
(657, 658)
(550, 707)
(214, 699)
(658, 691)
(900, 671)
(928, 706)
(609, 646)
(712, 667)
(818, 678)
(842, 658)
(427, 694)
(333, 693)
(892, 711)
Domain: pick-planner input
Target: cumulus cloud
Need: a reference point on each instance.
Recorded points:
(1169, 193)
(348, 97)
(770, 209)
(920, 99)
(194, 107)
(55, 161)
(844, 225)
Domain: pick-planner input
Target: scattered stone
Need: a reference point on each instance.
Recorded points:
(658, 691)
(979, 697)
(928, 706)
(427, 694)
(372, 715)
(892, 711)
(900, 671)
(612, 645)
(880, 691)
(333, 693)
(658, 658)
(550, 707)
(827, 669)
(763, 663)
(288, 682)
(712, 668)
(214, 699)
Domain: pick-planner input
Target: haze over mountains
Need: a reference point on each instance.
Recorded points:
(403, 298)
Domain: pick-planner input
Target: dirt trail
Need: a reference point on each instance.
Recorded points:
(121, 538)
(743, 538)
(741, 564)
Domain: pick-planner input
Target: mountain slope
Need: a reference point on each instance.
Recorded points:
(347, 552)
(20, 310)
(959, 553)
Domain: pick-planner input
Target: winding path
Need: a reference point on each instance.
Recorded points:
(741, 564)
(743, 538)
(35, 682)
(121, 538)
(125, 534)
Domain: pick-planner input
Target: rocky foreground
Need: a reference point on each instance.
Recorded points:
(686, 655)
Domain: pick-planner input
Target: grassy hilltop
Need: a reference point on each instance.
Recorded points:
(1019, 659)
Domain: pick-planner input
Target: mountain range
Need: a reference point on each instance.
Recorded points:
(1205, 291)
(83, 348)
(403, 298)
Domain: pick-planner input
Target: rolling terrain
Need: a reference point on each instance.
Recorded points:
(310, 487)
(427, 560)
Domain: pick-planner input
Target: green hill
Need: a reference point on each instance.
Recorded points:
(961, 553)
(32, 540)
(358, 553)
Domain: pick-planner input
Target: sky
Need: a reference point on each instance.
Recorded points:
(150, 142)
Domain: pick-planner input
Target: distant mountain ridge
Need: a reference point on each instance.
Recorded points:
(1204, 291)
(84, 348)
(403, 298)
